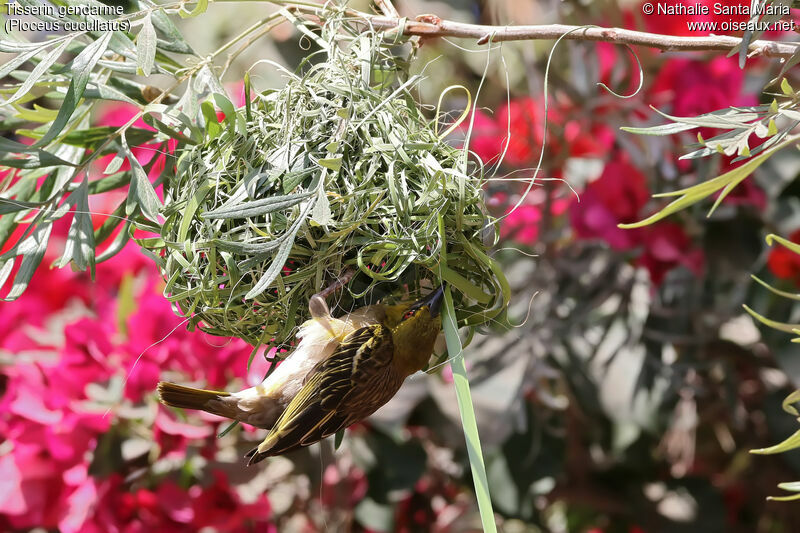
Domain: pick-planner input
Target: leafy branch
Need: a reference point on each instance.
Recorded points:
(772, 127)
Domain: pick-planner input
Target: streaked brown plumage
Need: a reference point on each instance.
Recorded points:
(364, 369)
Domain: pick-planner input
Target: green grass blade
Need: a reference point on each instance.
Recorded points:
(467, 412)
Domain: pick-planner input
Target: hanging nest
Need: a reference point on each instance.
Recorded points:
(338, 170)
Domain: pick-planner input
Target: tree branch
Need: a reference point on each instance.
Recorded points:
(433, 26)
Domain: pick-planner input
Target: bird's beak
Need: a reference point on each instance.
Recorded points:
(434, 301)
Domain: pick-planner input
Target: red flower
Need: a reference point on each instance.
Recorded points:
(518, 124)
(694, 87)
(784, 263)
(667, 246)
(616, 197)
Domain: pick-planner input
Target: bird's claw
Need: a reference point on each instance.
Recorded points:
(317, 305)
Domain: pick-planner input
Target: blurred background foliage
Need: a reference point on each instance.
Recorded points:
(625, 397)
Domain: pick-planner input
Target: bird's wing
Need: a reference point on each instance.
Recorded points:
(342, 389)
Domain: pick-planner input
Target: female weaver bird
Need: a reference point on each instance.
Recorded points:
(341, 372)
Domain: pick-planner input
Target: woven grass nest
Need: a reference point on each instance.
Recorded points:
(337, 170)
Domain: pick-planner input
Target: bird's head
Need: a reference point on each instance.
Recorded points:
(414, 329)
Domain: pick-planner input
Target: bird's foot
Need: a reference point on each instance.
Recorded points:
(317, 304)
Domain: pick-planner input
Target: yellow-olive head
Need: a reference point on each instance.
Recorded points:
(414, 330)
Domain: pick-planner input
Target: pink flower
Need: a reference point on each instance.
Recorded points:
(218, 506)
(84, 358)
(158, 340)
(486, 140)
(522, 225)
(174, 436)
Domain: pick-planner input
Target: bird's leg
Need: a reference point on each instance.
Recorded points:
(317, 304)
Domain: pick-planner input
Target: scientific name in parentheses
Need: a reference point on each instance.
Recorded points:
(721, 9)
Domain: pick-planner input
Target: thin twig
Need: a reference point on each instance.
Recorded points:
(433, 26)
(387, 8)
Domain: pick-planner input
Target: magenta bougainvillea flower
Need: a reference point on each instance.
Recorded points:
(50, 423)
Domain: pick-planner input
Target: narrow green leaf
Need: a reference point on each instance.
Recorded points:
(664, 129)
(791, 486)
(141, 192)
(90, 137)
(274, 269)
(15, 206)
(213, 127)
(5, 271)
(338, 439)
(793, 246)
(21, 59)
(36, 156)
(176, 43)
(781, 326)
(246, 248)
(321, 214)
(37, 114)
(247, 103)
(694, 194)
(82, 67)
(788, 407)
(114, 164)
(117, 245)
(331, 163)
(146, 47)
(110, 182)
(467, 411)
(228, 429)
(150, 120)
(225, 105)
(785, 294)
(786, 87)
(191, 208)
(256, 207)
(46, 62)
(464, 285)
(199, 9)
(32, 251)
(789, 444)
(791, 498)
(772, 129)
(80, 239)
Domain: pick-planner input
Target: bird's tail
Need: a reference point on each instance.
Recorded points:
(191, 398)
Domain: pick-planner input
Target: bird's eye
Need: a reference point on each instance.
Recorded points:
(408, 314)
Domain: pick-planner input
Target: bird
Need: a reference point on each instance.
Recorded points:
(342, 370)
